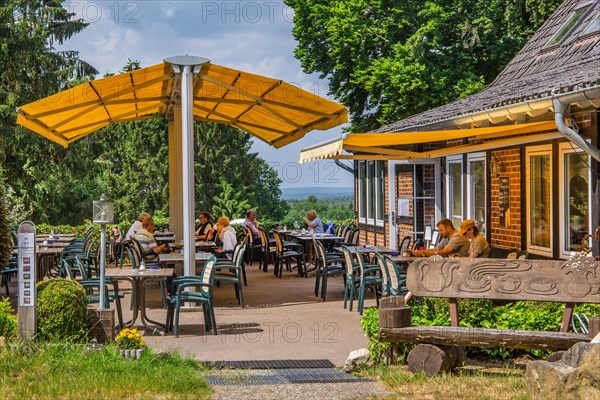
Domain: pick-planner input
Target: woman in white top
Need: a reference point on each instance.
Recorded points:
(227, 236)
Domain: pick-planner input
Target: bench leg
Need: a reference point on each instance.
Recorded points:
(431, 359)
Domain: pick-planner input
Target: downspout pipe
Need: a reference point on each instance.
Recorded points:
(560, 109)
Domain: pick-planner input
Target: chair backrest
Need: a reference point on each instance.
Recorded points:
(361, 263)
(237, 251)
(350, 265)
(396, 280)
(81, 268)
(264, 239)
(320, 252)
(523, 255)
(65, 270)
(278, 241)
(404, 244)
(208, 275)
(384, 273)
(134, 254)
(435, 238)
(240, 256)
(512, 255)
(355, 237)
(417, 244)
(347, 234)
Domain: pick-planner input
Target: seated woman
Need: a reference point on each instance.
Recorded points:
(227, 236)
(205, 226)
(479, 246)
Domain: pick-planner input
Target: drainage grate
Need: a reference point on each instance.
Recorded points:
(245, 380)
(282, 377)
(272, 364)
(318, 375)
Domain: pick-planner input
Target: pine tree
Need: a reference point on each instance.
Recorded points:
(5, 247)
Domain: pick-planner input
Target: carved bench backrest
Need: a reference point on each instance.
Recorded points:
(536, 280)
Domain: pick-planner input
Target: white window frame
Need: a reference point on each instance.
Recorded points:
(454, 160)
(371, 196)
(379, 197)
(470, 210)
(529, 152)
(563, 149)
(361, 185)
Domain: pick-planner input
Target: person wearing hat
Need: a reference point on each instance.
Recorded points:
(455, 243)
(479, 246)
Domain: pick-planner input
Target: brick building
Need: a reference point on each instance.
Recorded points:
(520, 157)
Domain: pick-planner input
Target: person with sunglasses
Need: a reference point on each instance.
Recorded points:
(479, 246)
(453, 242)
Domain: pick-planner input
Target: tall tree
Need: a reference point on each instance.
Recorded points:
(389, 59)
(52, 181)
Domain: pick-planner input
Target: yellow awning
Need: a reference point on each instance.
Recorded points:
(379, 143)
(270, 109)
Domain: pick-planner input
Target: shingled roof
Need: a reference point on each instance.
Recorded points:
(536, 73)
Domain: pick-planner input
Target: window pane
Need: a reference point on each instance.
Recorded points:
(362, 190)
(577, 195)
(380, 190)
(371, 189)
(594, 26)
(540, 192)
(477, 183)
(574, 18)
(455, 193)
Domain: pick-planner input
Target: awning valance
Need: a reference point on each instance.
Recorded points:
(379, 143)
(270, 109)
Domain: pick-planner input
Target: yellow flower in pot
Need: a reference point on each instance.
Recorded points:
(130, 343)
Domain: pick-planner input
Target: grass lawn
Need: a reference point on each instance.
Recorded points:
(69, 372)
(497, 383)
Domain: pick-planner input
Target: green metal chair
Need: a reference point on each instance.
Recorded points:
(236, 271)
(358, 279)
(326, 265)
(203, 295)
(393, 281)
(92, 286)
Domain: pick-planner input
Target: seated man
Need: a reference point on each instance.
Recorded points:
(456, 243)
(137, 225)
(252, 224)
(313, 221)
(150, 249)
(205, 226)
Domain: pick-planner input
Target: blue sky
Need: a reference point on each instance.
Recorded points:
(254, 36)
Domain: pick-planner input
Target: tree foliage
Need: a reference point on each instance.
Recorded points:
(389, 59)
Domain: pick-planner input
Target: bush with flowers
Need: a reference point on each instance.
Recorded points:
(130, 339)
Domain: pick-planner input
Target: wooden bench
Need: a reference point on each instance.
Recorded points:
(512, 280)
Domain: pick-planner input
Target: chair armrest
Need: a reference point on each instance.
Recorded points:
(192, 284)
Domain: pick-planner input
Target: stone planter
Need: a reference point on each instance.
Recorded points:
(131, 354)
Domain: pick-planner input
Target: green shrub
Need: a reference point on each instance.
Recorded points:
(8, 321)
(62, 314)
(524, 315)
(369, 323)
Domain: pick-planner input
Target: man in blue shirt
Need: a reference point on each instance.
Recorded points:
(313, 221)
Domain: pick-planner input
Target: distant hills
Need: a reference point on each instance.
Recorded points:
(322, 193)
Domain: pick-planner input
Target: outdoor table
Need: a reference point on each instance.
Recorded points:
(46, 259)
(165, 239)
(158, 234)
(176, 258)
(41, 239)
(199, 244)
(138, 283)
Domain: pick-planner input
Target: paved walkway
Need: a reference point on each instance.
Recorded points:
(282, 320)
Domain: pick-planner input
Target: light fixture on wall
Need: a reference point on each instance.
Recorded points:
(497, 166)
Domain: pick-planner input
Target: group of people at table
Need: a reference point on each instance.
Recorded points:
(221, 233)
(466, 241)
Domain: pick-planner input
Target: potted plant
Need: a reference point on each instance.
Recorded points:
(130, 343)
